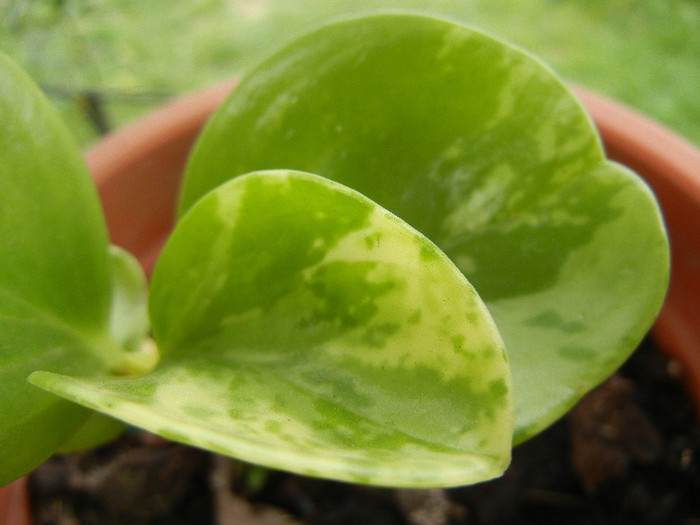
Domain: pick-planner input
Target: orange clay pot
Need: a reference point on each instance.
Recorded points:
(137, 170)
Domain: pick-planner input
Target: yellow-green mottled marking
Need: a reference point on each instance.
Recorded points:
(372, 362)
(486, 153)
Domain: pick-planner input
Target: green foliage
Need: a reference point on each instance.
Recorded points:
(479, 147)
(303, 329)
(55, 275)
(300, 325)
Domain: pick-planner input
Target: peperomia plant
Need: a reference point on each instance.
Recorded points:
(311, 310)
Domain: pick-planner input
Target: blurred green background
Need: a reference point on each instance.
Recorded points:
(106, 62)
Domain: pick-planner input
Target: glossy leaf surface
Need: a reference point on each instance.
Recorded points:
(303, 327)
(54, 284)
(481, 148)
(55, 275)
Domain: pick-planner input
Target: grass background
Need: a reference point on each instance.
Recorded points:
(131, 55)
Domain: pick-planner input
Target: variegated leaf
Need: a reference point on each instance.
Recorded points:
(482, 149)
(303, 327)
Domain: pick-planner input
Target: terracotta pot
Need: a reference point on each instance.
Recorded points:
(138, 169)
(14, 503)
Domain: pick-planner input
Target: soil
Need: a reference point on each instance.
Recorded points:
(629, 452)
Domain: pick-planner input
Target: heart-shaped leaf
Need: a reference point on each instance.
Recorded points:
(55, 275)
(481, 148)
(303, 327)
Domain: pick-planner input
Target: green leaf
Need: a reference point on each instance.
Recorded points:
(303, 327)
(128, 323)
(55, 287)
(128, 327)
(482, 149)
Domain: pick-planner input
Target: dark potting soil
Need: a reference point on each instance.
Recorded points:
(629, 452)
